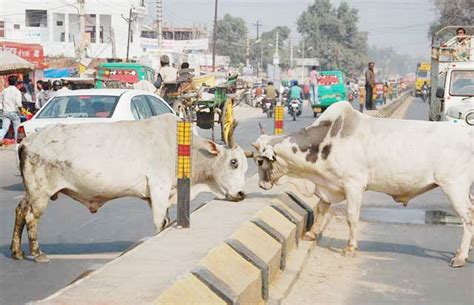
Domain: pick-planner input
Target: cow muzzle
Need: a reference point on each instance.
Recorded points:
(265, 185)
(237, 197)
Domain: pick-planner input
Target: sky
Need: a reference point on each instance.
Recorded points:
(401, 24)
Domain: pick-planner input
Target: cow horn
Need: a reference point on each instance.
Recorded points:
(230, 139)
(256, 145)
(248, 154)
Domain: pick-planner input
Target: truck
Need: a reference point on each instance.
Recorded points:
(452, 77)
(423, 74)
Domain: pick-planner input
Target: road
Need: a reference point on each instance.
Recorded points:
(403, 257)
(77, 241)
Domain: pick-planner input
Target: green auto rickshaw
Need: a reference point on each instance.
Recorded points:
(331, 89)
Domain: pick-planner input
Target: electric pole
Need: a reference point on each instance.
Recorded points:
(291, 54)
(214, 39)
(82, 27)
(130, 21)
(247, 51)
(259, 62)
(159, 23)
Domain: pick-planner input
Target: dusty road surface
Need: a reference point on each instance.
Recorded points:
(403, 256)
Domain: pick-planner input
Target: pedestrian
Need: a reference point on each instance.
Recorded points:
(64, 86)
(369, 86)
(26, 100)
(44, 95)
(313, 83)
(10, 106)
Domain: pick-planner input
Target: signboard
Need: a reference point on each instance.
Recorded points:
(31, 52)
(176, 45)
(122, 75)
(328, 80)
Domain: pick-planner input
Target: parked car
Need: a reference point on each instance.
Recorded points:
(95, 105)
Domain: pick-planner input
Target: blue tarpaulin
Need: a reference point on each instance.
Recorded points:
(57, 73)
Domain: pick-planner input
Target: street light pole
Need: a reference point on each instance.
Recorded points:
(82, 27)
(214, 39)
(302, 67)
(129, 31)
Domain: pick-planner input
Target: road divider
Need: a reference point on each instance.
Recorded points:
(233, 254)
(389, 109)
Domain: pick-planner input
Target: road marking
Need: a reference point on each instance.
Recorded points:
(105, 255)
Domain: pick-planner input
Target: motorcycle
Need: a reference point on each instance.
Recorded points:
(267, 107)
(295, 108)
(424, 94)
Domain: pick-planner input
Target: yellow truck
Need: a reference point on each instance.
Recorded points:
(423, 74)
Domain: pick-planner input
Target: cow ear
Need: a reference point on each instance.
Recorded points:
(212, 147)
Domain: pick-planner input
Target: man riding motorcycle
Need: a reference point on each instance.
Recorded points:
(271, 94)
(424, 91)
(295, 93)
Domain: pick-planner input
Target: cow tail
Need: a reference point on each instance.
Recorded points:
(22, 158)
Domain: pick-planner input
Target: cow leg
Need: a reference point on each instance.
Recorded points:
(316, 228)
(17, 252)
(459, 198)
(159, 196)
(354, 202)
(33, 212)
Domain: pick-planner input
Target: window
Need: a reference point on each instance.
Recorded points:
(140, 108)
(423, 74)
(80, 107)
(158, 105)
(2, 29)
(16, 26)
(462, 83)
(36, 18)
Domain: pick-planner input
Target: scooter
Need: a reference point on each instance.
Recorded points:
(295, 108)
(424, 94)
(268, 107)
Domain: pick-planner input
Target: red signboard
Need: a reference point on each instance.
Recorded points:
(328, 80)
(122, 75)
(31, 52)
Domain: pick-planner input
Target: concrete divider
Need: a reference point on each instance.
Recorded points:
(388, 110)
(232, 254)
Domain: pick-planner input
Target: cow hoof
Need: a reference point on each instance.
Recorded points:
(309, 236)
(457, 262)
(42, 258)
(165, 223)
(18, 255)
(349, 252)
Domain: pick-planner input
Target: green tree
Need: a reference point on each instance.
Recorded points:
(452, 12)
(231, 38)
(334, 36)
(265, 48)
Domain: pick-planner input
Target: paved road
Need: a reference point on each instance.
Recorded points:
(77, 241)
(403, 258)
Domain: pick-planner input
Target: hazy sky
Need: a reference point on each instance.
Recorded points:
(402, 24)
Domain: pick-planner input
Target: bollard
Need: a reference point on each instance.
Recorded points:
(278, 127)
(361, 99)
(183, 171)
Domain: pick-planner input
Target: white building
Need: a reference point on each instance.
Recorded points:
(55, 25)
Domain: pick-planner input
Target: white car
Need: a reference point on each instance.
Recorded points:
(95, 105)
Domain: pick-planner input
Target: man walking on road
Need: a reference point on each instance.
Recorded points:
(369, 86)
(10, 105)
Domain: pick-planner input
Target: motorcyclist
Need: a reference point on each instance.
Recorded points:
(425, 90)
(57, 85)
(271, 94)
(295, 93)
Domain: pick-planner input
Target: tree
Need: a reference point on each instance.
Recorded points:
(388, 61)
(231, 38)
(334, 36)
(266, 47)
(452, 12)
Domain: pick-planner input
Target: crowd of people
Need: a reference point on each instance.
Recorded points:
(23, 98)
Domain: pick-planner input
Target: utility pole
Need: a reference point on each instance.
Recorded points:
(130, 21)
(214, 39)
(258, 25)
(302, 68)
(82, 27)
(159, 23)
(291, 54)
(247, 50)
(276, 56)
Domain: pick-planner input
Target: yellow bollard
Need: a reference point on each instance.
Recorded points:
(183, 171)
(278, 123)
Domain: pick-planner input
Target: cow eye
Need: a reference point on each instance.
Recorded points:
(234, 163)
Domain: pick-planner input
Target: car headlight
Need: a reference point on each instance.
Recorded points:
(470, 118)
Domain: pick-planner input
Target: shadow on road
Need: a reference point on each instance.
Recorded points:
(75, 248)
(336, 245)
(14, 187)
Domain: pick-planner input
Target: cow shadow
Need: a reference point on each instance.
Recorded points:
(14, 187)
(336, 245)
(74, 248)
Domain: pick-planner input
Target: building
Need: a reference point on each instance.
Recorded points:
(56, 26)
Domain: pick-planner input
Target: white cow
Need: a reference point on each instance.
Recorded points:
(97, 162)
(345, 153)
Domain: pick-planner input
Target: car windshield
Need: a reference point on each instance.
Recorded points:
(462, 83)
(80, 106)
(422, 73)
